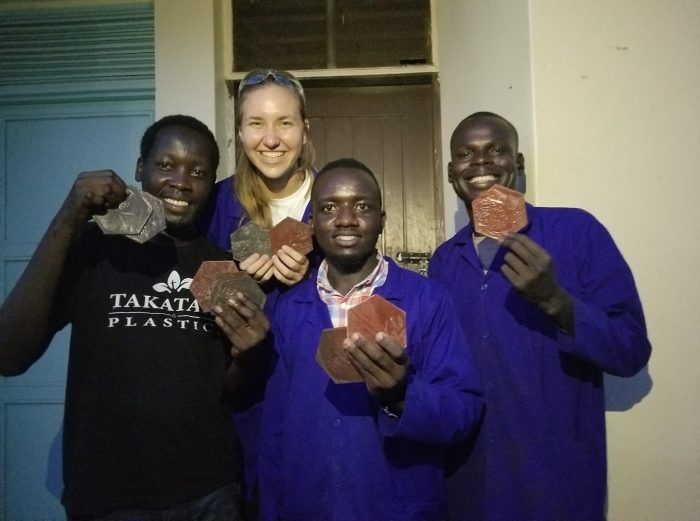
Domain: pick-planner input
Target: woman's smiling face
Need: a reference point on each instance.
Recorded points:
(272, 130)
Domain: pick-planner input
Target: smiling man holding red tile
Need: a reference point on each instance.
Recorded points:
(372, 449)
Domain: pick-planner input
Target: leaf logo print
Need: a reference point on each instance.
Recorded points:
(174, 283)
(185, 284)
(161, 287)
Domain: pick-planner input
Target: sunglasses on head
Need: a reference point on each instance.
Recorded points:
(278, 77)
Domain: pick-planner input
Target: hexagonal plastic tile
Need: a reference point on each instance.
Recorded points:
(248, 239)
(292, 232)
(225, 285)
(377, 314)
(499, 211)
(331, 357)
(155, 222)
(202, 280)
(128, 218)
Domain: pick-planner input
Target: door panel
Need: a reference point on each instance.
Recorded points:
(33, 460)
(47, 146)
(46, 151)
(76, 93)
(390, 129)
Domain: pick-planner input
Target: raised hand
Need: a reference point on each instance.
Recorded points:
(529, 268)
(92, 193)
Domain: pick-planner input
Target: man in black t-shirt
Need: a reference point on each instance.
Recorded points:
(147, 435)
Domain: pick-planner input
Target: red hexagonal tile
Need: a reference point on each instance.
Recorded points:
(377, 314)
(499, 211)
(207, 272)
(225, 285)
(292, 232)
(333, 359)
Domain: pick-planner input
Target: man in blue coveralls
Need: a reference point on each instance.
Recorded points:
(371, 450)
(541, 340)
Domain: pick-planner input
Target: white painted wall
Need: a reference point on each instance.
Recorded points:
(606, 96)
(190, 66)
(185, 59)
(617, 98)
(484, 60)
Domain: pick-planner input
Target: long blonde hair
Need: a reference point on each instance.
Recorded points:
(249, 186)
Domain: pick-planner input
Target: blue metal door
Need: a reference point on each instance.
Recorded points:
(52, 127)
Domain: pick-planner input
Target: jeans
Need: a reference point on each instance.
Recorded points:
(221, 505)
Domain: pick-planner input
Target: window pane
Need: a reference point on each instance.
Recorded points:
(320, 34)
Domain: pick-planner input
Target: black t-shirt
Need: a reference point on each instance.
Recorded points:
(145, 425)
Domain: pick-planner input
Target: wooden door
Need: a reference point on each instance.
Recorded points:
(392, 130)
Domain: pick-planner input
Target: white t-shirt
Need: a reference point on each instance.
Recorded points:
(292, 205)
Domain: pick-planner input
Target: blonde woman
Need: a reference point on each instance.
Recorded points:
(274, 172)
(272, 181)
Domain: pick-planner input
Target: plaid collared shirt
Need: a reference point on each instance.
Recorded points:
(338, 305)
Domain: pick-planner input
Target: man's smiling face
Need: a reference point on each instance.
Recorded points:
(180, 171)
(484, 152)
(347, 218)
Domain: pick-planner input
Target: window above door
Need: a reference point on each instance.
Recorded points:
(331, 38)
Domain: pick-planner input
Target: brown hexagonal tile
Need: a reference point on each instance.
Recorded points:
(248, 239)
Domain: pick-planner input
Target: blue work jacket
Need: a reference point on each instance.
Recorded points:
(540, 453)
(328, 451)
